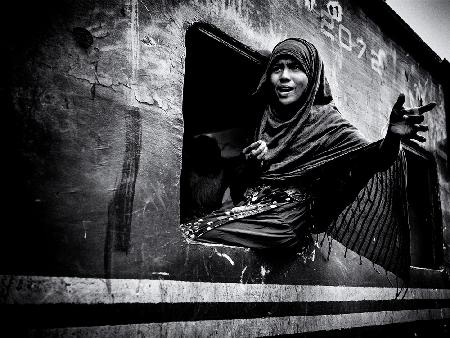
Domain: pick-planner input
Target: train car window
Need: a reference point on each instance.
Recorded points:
(220, 75)
(424, 212)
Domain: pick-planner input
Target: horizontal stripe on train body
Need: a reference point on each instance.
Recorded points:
(67, 315)
(74, 290)
(255, 327)
(124, 307)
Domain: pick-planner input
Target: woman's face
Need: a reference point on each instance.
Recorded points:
(288, 80)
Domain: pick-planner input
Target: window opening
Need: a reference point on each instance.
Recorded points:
(220, 75)
(219, 119)
(424, 212)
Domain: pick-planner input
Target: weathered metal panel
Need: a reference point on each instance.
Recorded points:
(101, 123)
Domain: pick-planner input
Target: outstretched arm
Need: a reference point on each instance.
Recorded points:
(404, 124)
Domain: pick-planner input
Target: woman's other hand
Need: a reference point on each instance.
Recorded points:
(256, 150)
(406, 123)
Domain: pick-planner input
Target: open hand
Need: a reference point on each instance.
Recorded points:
(256, 150)
(406, 123)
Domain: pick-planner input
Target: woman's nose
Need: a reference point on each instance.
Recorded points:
(285, 74)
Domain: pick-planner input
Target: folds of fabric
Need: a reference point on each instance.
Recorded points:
(267, 218)
(365, 212)
(375, 223)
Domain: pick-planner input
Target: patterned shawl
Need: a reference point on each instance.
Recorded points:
(359, 200)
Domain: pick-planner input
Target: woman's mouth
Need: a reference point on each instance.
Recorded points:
(284, 90)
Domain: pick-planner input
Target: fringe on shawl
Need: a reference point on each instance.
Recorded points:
(375, 225)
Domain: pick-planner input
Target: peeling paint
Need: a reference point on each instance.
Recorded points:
(242, 274)
(264, 272)
(161, 273)
(228, 258)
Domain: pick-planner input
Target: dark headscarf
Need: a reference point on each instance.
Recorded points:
(305, 53)
(315, 131)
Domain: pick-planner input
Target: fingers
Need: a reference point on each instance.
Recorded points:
(420, 127)
(418, 138)
(416, 110)
(260, 151)
(406, 123)
(426, 107)
(262, 154)
(257, 149)
(252, 146)
(421, 109)
(400, 101)
(412, 119)
(414, 129)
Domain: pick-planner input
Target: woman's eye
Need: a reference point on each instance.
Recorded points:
(276, 69)
(296, 67)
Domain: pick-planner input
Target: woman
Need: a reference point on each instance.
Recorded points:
(301, 135)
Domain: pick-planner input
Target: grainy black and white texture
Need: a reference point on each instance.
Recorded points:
(92, 99)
